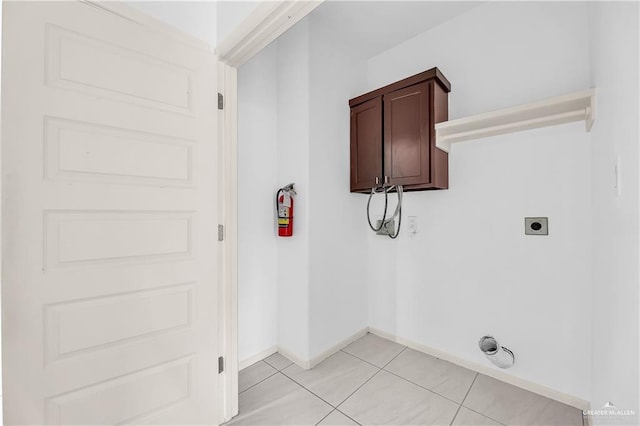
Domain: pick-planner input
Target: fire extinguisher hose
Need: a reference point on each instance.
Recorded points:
(277, 201)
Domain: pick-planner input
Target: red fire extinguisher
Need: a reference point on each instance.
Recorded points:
(284, 207)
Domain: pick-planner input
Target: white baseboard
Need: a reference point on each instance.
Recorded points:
(304, 363)
(310, 363)
(488, 371)
(257, 357)
(335, 348)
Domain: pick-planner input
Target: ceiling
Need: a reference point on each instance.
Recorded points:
(371, 27)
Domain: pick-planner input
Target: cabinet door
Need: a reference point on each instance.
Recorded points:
(366, 145)
(407, 151)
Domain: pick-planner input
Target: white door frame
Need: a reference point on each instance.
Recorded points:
(266, 23)
(228, 254)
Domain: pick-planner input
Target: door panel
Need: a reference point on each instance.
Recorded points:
(80, 62)
(406, 142)
(366, 144)
(109, 185)
(117, 155)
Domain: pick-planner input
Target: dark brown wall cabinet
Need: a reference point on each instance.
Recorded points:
(393, 134)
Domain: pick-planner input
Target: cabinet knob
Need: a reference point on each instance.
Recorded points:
(377, 180)
(386, 179)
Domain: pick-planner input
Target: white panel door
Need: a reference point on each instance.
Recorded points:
(109, 168)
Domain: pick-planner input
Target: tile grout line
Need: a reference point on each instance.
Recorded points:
(333, 411)
(367, 381)
(320, 421)
(273, 366)
(469, 390)
(391, 360)
(422, 387)
(471, 409)
(357, 389)
(465, 397)
(256, 384)
(370, 363)
(311, 392)
(455, 415)
(335, 407)
(349, 417)
(357, 357)
(484, 415)
(304, 388)
(426, 388)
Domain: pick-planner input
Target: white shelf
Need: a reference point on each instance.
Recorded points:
(576, 106)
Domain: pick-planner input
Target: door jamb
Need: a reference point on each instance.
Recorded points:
(227, 256)
(265, 23)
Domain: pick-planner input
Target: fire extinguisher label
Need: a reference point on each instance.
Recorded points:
(283, 211)
(286, 199)
(283, 222)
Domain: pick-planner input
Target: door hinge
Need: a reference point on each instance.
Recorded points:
(220, 101)
(220, 232)
(220, 365)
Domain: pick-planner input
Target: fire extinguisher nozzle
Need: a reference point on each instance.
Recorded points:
(289, 188)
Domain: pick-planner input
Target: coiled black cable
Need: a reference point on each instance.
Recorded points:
(398, 211)
(384, 215)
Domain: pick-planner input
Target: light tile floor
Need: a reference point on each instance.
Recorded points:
(377, 382)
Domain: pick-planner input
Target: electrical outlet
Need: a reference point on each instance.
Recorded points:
(389, 228)
(536, 226)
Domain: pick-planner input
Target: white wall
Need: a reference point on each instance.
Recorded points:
(198, 18)
(293, 166)
(257, 181)
(470, 270)
(614, 71)
(1, 413)
(337, 254)
(497, 55)
(209, 20)
(320, 274)
(231, 14)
